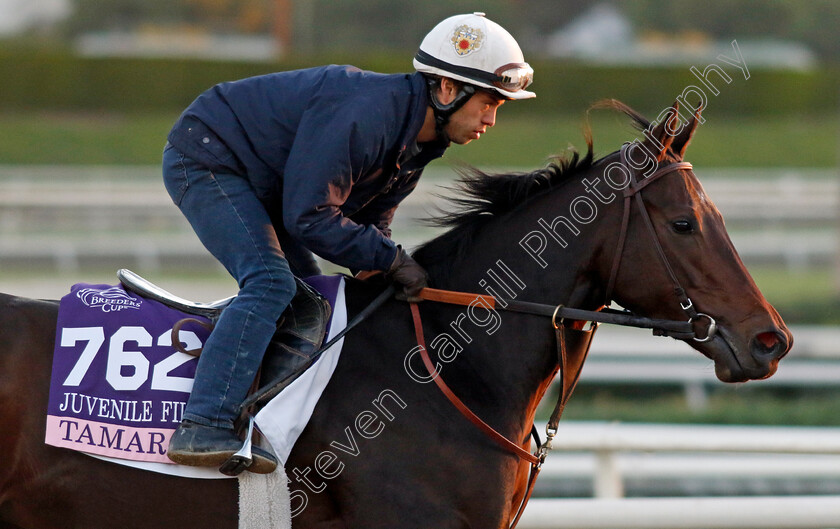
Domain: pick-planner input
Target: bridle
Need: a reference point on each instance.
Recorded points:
(677, 329)
(634, 189)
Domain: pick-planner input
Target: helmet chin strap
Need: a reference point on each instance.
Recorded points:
(444, 112)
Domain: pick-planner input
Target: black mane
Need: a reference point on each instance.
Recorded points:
(481, 197)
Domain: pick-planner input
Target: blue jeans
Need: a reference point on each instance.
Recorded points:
(236, 228)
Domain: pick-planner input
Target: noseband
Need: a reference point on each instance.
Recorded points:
(634, 189)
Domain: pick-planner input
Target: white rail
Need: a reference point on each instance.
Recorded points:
(607, 441)
(622, 355)
(757, 512)
(622, 450)
(780, 215)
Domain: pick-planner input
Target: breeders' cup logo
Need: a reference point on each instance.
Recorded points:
(466, 40)
(108, 299)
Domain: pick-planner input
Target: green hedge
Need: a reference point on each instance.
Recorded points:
(650, 90)
(61, 81)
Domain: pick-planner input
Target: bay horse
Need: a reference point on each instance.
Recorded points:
(384, 448)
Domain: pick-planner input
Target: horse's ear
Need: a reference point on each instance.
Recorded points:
(684, 137)
(660, 138)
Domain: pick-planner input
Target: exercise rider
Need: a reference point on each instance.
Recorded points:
(272, 168)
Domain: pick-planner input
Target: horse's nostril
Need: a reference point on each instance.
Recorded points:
(768, 339)
(769, 345)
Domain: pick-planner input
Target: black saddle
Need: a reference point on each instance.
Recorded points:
(300, 330)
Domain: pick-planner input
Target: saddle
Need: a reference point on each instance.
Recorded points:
(300, 330)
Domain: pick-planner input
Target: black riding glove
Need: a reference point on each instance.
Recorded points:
(407, 272)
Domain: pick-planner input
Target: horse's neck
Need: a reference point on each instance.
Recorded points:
(503, 261)
(519, 358)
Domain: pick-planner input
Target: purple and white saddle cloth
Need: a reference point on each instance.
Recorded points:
(119, 388)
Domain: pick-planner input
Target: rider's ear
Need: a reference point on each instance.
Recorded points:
(684, 137)
(447, 90)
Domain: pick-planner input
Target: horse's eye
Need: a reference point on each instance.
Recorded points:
(682, 226)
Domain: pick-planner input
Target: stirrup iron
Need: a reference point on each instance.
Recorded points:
(241, 460)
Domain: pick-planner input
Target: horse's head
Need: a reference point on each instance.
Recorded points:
(696, 256)
(671, 258)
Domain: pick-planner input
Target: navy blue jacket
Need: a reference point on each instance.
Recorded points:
(334, 146)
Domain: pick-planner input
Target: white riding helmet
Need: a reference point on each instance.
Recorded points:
(477, 51)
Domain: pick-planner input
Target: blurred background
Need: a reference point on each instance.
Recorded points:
(90, 89)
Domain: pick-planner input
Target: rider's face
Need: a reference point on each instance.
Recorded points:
(472, 120)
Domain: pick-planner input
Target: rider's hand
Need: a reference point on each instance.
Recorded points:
(407, 272)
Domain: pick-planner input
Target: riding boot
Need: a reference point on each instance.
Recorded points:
(194, 444)
(300, 333)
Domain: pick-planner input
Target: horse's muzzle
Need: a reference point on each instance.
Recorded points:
(740, 360)
(767, 348)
